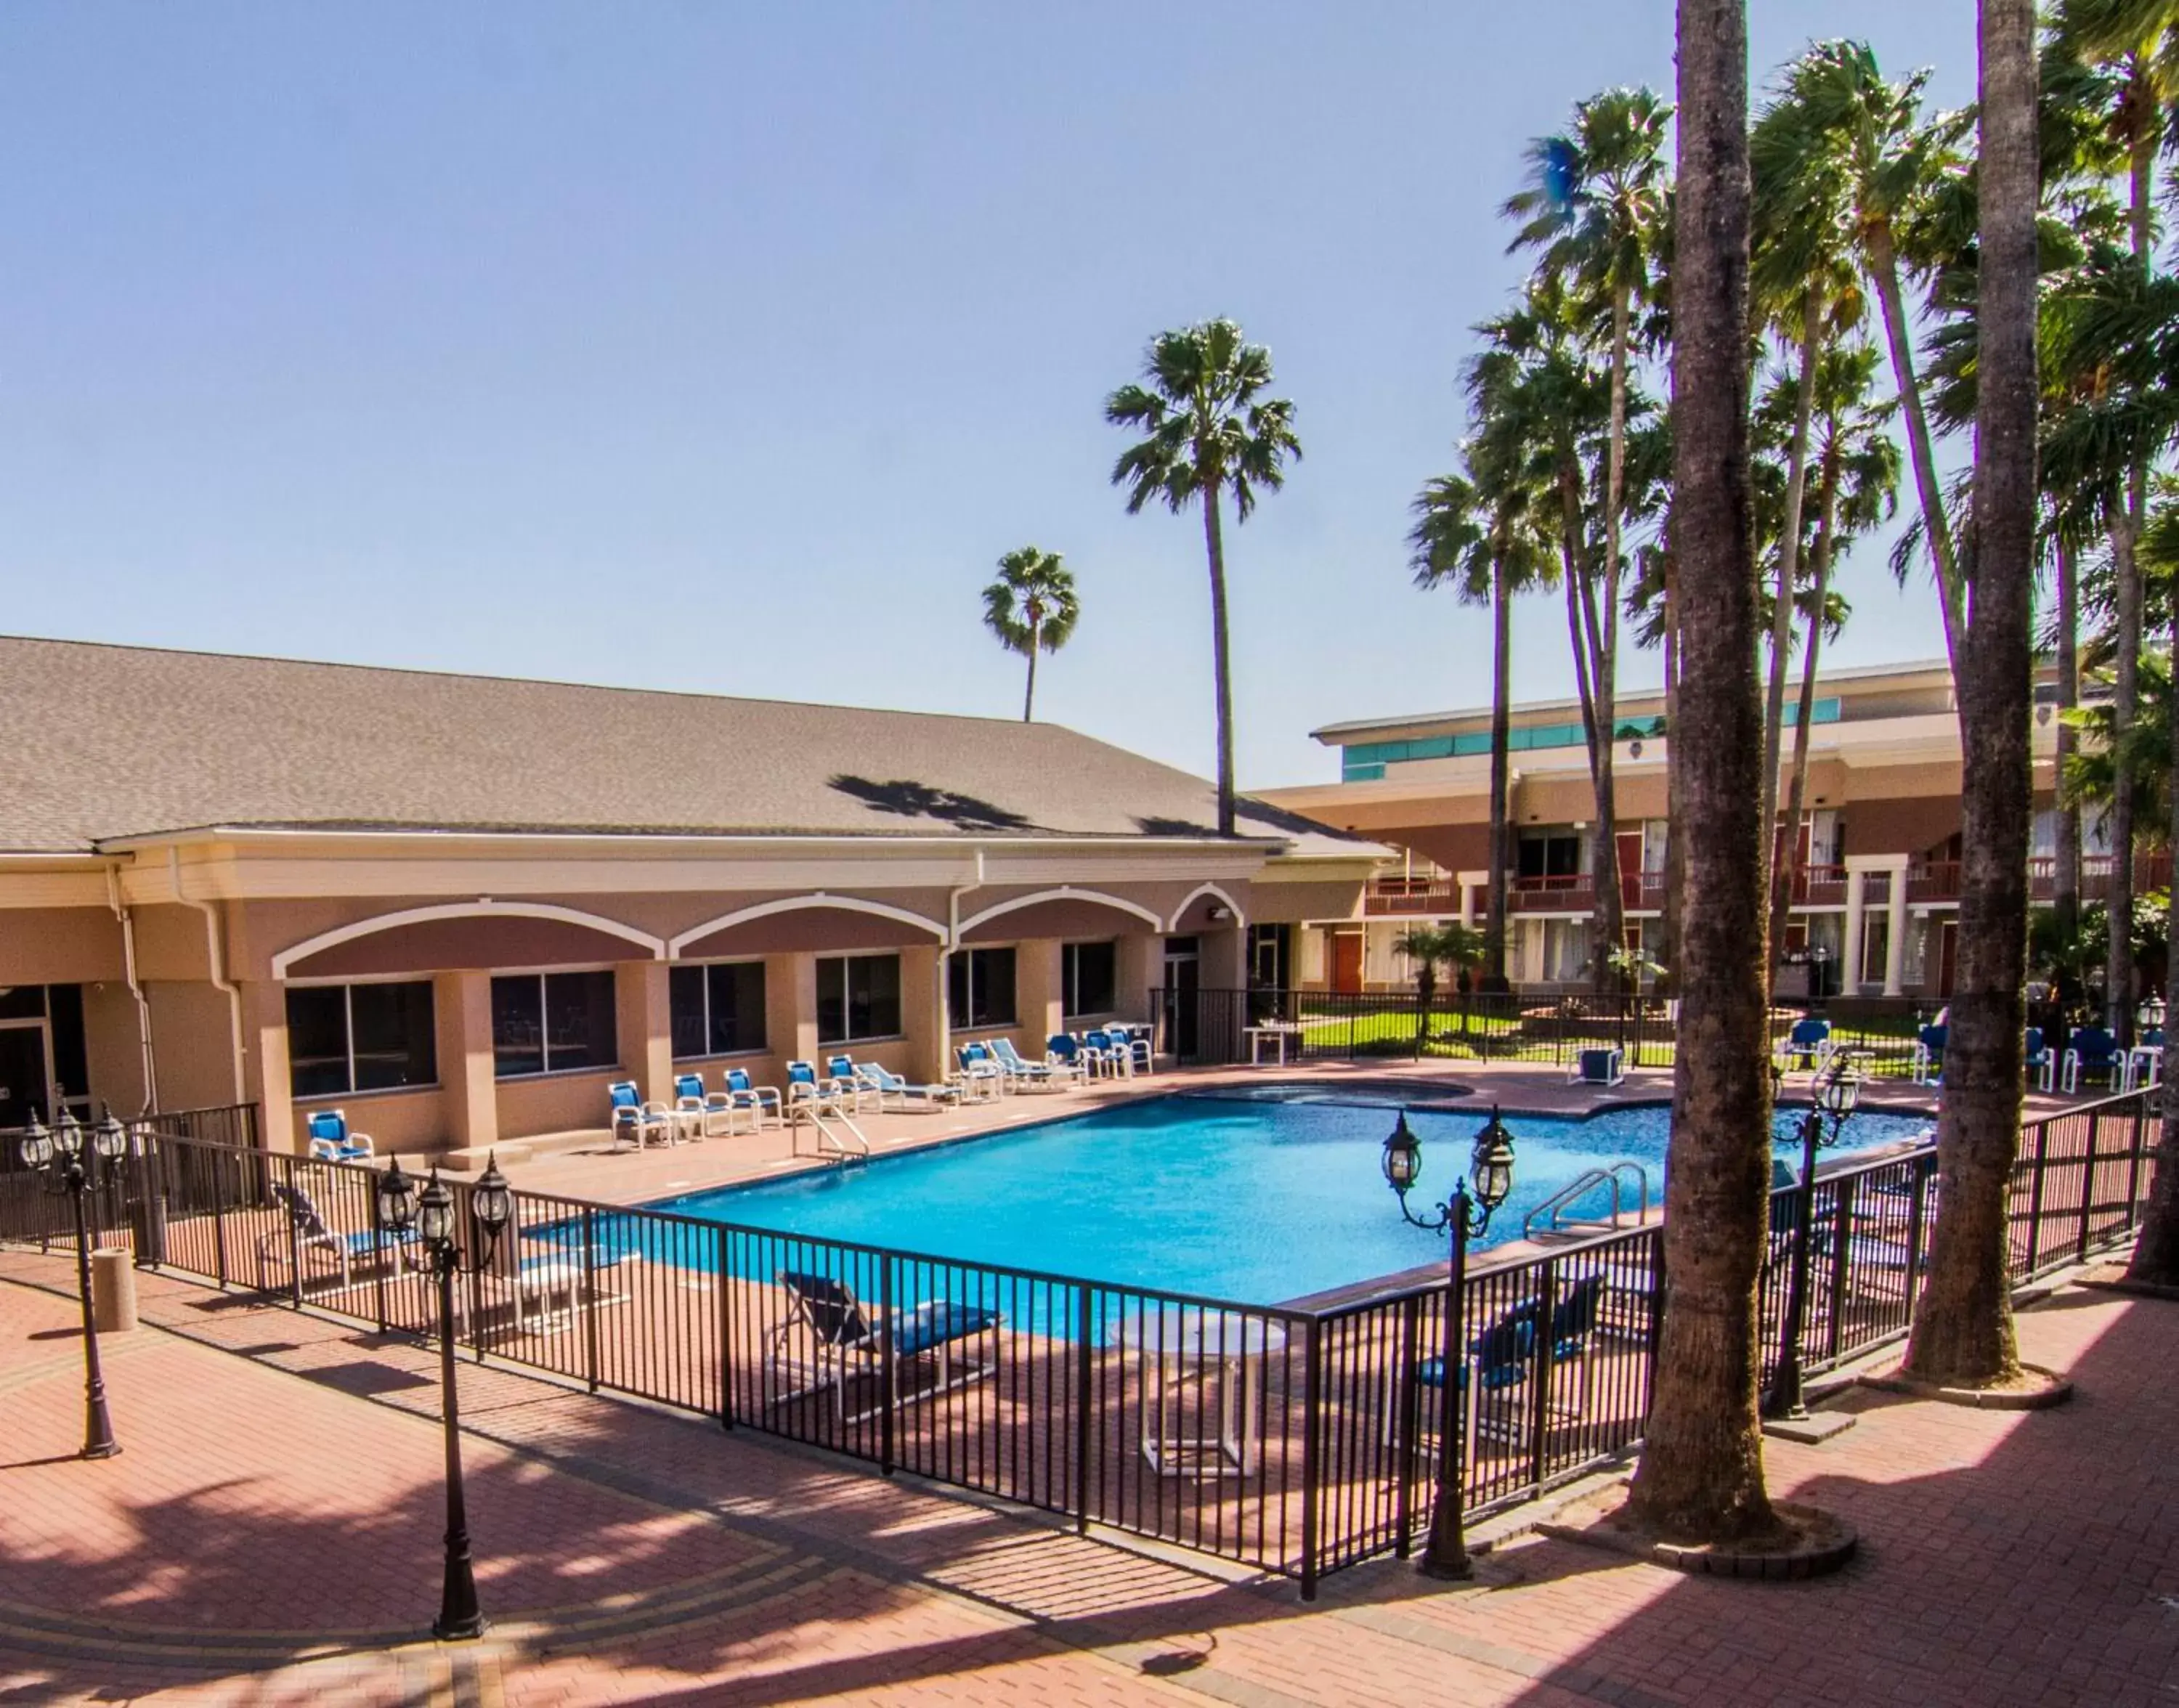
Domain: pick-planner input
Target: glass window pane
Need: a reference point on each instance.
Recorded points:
(1093, 977)
(395, 1045)
(517, 1025)
(994, 992)
(317, 1040)
(737, 1006)
(832, 1001)
(684, 997)
(579, 1021)
(956, 989)
(873, 996)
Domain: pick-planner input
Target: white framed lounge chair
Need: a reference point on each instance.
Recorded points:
(635, 1122)
(704, 1114)
(848, 1085)
(756, 1098)
(331, 1140)
(306, 1233)
(1021, 1070)
(841, 1341)
(895, 1093)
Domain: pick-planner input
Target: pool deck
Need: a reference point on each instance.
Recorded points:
(591, 1169)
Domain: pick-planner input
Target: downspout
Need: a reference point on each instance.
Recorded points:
(945, 960)
(219, 979)
(135, 988)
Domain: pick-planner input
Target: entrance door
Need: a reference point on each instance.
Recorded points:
(1947, 957)
(22, 1074)
(1347, 960)
(1184, 980)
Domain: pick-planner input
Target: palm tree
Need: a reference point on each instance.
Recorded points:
(2157, 1251)
(1476, 533)
(1701, 1475)
(1595, 211)
(1962, 1334)
(1838, 103)
(1804, 278)
(1207, 429)
(1856, 490)
(2137, 40)
(1032, 607)
(1544, 405)
(1427, 947)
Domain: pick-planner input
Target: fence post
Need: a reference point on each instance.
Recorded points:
(1540, 1429)
(1841, 1244)
(218, 1223)
(1084, 1376)
(1405, 1394)
(1656, 1320)
(1311, 1472)
(1918, 1222)
(2039, 1169)
(294, 1238)
(591, 1287)
(885, 1372)
(2088, 1181)
(2134, 1151)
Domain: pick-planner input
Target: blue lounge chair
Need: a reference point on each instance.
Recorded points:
(895, 1093)
(2039, 1060)
(805, 1090)
(635, 1122)
(844, 1342)
(1929, 1054)
(1061, 1051)
(306, 1231)
(849, 1086)
(756, 1098)
(1023, 1071)
(1109, 1055)
(981, 1078)
(2093, 1051)
(331, 1142)
(1806, 1047)
(699, 1111)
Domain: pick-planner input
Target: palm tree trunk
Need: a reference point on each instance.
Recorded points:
(2156, 1252)
(1602, 637)
(1502, 723)
(1214, 544)
(1781, 616)
(1789, 866)
(1884, 264)
(1674, 871)
(1962, 1334)
(1028, 699)
(1701, 1474)
(2126, 577)
(2066, 885)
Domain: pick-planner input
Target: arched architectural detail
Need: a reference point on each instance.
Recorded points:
(1066, 892)
(1195, 896)
(793, 904)
(656, 946)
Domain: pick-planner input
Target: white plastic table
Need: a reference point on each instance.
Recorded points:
(1280, 1031)
(1219, 1349)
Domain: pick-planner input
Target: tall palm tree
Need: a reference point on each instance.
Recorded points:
(2157, 1251)
(2137, 41)
(1857, 472)
(1804, 282)
(1595, 209)
(1208, 429)
(1701, 1474)
(1032, 607)
(1476, 533)
(1535, 392)
(1839, 101)
(1962, 1334)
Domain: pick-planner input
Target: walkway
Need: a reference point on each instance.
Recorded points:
(269, 1535)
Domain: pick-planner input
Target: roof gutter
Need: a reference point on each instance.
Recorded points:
(135, 990)
(219, 978)
(199, 834)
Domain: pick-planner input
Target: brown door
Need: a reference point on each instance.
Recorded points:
(1946, 955)
(1347, 960)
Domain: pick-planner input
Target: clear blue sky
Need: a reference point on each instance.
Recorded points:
(724, 347)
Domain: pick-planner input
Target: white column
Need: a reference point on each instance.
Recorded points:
(1857, 902)
(1470, 883)
(1894, 935)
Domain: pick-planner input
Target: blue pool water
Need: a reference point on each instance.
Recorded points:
(1253, 1198)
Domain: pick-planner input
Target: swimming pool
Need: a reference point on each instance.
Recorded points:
(1251, 1198)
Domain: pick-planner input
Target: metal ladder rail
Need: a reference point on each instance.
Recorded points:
(830, 1143)
(1582, 1185)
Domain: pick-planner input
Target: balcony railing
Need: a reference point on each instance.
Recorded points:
(1409, 897)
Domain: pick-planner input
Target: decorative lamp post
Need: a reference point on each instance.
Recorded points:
(1836, 1095)
(1820, 958)
(65, 1164)
(1465, 1215)
(430, 1214)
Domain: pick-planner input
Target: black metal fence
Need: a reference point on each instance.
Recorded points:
(1293, 1440)
(1218, 1028)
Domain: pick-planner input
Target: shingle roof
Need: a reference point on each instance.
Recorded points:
(99, 742)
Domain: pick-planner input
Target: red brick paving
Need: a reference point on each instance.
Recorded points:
(2008, 1559)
